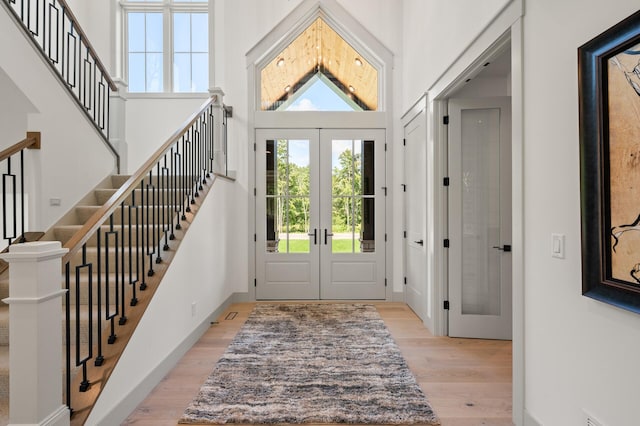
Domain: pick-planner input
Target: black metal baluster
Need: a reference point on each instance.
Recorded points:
(174, 193)
(151, 241)
(85, 384)
(22, 238)
(132, 282)
(120, 265)
(157, 240)
(110, 316)
(67, 330)
(100, 357)
(166, 197)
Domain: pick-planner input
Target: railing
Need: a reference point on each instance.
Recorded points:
(14, 221)
(112, 257)
(66, 48)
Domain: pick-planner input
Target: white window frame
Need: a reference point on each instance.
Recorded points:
(167, 8)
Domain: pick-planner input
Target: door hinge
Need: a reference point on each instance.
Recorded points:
(446, 243)
(255, 192)
(255, 147)
(404, 234)
(404, 187)
(446, 305)
(405, 280)
(385, 282)
(385, 190)
(385, 238)
(255, 237)
(445, 181)
(255, 282)
(385, 147)
(404, 142)
(445, 119)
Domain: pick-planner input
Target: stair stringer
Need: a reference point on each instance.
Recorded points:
(201, 271)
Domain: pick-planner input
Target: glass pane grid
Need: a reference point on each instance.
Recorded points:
(287, 180)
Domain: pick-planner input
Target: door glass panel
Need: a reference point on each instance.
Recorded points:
(353, 202)
(287, 196)
(481, 211)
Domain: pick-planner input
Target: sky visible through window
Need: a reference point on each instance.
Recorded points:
(319, 97)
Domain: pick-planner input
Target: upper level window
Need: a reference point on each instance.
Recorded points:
(319, 71)
(167, 45)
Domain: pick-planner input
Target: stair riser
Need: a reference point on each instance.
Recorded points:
(119, 180)
(151, 197)
(113, 260)
(83, 214)
(84, 328)
(106, 234)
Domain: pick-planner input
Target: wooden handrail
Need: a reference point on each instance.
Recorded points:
(85, 39)
(94, 222)
(32, 141)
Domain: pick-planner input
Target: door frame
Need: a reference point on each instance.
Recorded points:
(506, 29)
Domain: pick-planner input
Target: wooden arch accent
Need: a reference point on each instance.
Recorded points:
(319, 49)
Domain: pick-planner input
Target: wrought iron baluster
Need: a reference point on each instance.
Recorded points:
(122, 286)
(157, 240)
(67, 331)
(100, 357)
(133, 282)
(85, 384)
(109, 315)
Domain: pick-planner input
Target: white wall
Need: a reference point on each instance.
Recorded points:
(202, 271)
(436, 33)
(580, 354)
(73, 157)
(150, 122)
(13, 112)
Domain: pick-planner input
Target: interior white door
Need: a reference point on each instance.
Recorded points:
(480, 218)
(352, 214)
(415, 172)
(287, 214)
(320, 214)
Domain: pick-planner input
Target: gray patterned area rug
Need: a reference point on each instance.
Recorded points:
(311, 363)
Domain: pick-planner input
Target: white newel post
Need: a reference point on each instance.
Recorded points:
(35, 334)
(118, 123)
(219, 155)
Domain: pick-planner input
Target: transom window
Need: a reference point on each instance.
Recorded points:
(319, 71)
(167, 45)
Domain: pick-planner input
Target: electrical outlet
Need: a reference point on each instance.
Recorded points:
(193, 309)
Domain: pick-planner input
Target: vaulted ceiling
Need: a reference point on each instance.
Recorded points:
(319, 49)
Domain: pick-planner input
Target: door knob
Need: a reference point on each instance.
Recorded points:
(505, 247)
(419, 242)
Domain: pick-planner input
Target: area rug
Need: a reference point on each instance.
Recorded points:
(311, 363)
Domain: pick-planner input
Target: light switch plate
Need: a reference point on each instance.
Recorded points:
(557, 245)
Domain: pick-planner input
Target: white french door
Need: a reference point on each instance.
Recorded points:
(480, 218)
(320, 214)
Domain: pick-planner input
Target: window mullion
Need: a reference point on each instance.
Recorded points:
(167, 54)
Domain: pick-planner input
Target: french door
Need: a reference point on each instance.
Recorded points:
(480, 218)
(320, 214)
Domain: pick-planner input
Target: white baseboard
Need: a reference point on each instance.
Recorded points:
(397, 296)
(241, 297)
(529, 420)
(129, 403)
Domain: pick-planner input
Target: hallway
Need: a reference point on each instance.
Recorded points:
(468, 382)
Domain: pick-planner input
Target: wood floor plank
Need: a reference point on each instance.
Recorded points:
(467, 381)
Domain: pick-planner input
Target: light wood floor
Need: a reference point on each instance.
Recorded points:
(467, 381)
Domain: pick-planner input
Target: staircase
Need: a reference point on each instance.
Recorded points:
(63, 231)
(119, 288)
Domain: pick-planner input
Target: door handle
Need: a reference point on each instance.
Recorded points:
(505, 248)
(314, 235)
(327, 234)
(419, 242)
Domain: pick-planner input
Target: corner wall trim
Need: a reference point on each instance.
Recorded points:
(129, 403)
